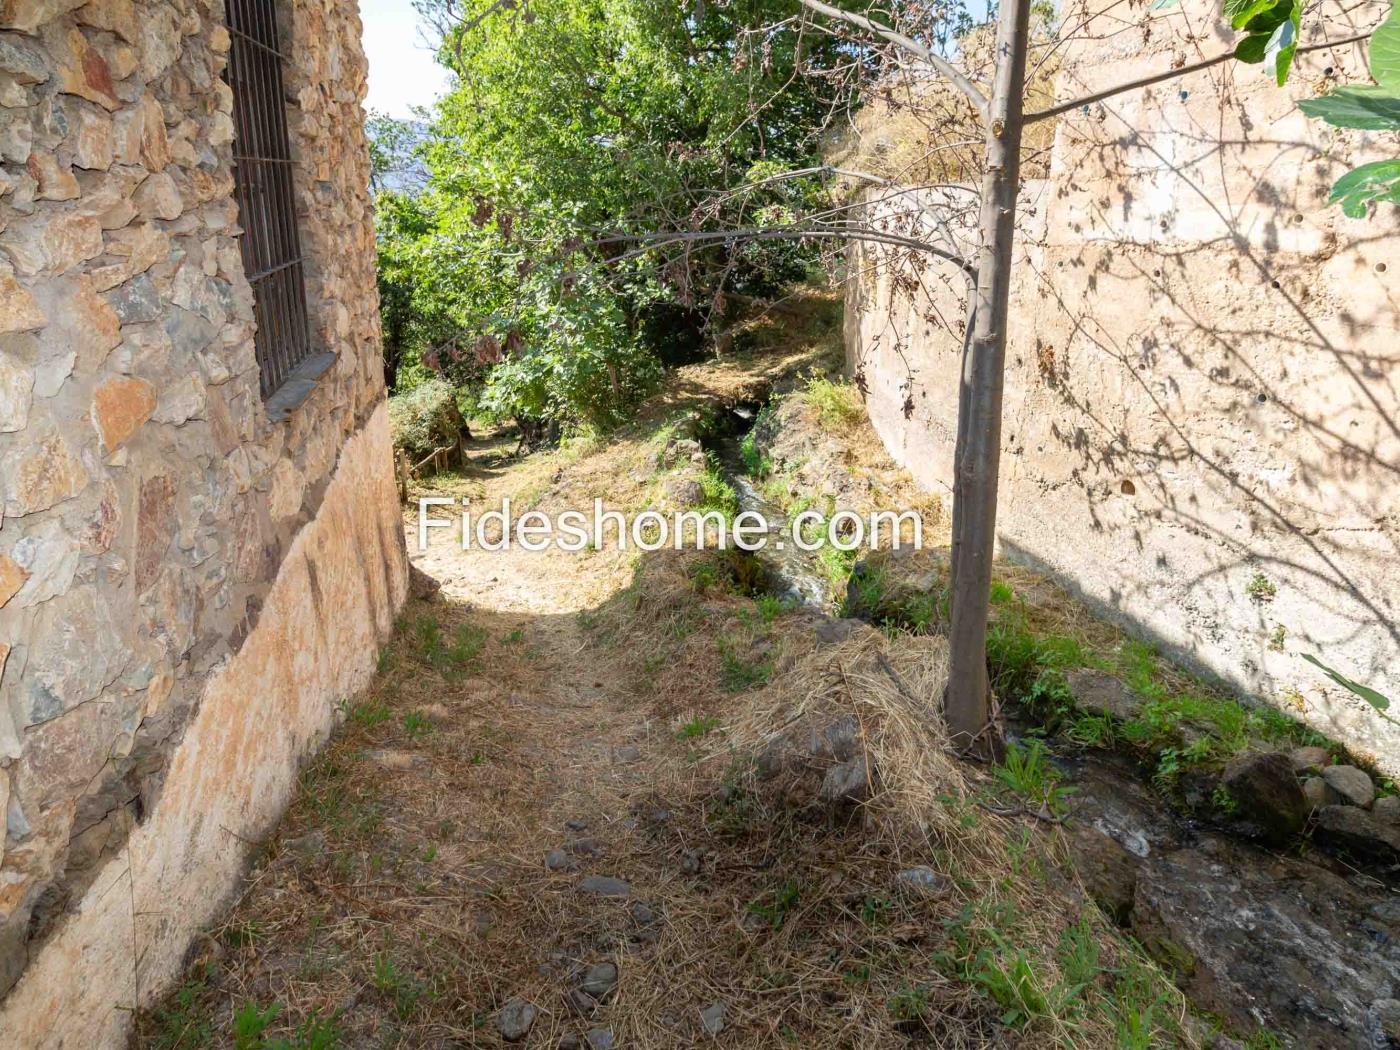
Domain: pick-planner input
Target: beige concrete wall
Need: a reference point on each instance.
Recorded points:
(329, 611)
(1201, 402)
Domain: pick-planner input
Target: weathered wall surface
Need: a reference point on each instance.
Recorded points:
(227, 783)
(168, 552)
(1201, 404)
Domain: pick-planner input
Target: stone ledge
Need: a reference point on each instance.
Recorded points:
(298, 386)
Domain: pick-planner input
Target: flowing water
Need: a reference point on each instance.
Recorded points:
(791, 573)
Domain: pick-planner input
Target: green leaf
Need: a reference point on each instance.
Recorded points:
(1243, 12)
(1356, 106)
(1251, 49)
(1365, 692)
(1368, 184)
(1282, 45)
(1385, 52)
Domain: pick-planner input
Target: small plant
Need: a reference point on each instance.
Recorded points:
(183, 1023)
(449, 658)
(910, 1003)
(739, 674)
(1002, 594)
(779, 903)
(1260, 589)
(417, 725)
(1277, 637)
(1028, 773)
(400, 988)
(756, 463)
(249, 1024)
(1223, 801)
(369, 714)
(516, 636)
(705, 577)
(715, 492)
(697, 727)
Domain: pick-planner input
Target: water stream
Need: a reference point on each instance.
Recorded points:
(790, 572)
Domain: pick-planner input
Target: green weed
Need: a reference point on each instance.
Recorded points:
(838, 404)
(697, 727)
(1028, 773)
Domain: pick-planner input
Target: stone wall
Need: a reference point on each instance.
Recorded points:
(1203, 370)
(168, 552)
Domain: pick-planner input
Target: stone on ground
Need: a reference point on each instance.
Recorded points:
(516, 1019)
(599, 980)
(1350, 785)
(605, 886)
(1101, 693)
(712, 1019)
(1268, 794)
(1356, 830)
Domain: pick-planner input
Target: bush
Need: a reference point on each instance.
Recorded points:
(427, 419)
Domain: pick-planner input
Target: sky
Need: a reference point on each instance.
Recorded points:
(402, 73)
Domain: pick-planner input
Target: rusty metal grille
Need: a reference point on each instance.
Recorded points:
(263, 186)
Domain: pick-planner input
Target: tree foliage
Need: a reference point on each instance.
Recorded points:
(576, 126)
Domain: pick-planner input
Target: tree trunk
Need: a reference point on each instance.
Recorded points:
(977, 460)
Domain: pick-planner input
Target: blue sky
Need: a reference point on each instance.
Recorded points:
(402, 73)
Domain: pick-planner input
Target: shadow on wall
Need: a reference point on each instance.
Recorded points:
(1201, 433)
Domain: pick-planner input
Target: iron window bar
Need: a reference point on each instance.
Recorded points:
(265, 192)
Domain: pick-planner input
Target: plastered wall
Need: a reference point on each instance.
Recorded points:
(1201, 429)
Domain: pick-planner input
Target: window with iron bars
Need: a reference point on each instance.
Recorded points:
(263, 187)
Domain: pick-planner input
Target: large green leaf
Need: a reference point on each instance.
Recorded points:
(1371, 183)
(1385, 52)
(1357, 106)
(1241, 13)
(1377, 700)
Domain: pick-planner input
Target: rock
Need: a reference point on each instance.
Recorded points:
(712, 1019)
(420, 585)
(39, 472)
(16, 395)
(570, 1041)
(1315, 793)
(583, 847)
(643, 914)
(120, 407)
(136, 301)
(1269, 797)
(158, 198)
(1107, 870)
(833, 632)
(1355, 829)
(1310, 758)
(1102, 693)
(579, 1003)
(1267, 940)
(1387, 1015)
(19, 310)
(22, 60)
(516, 1019)
(605, 886)
(684, 492)
(558, 860)
(921, 882)
(628, 754)
(1350, 785)
(12, 578)
(599, 980)
(600, 1039)
(692, 860)
(576, 824)
(848, 782)
(1385, 811)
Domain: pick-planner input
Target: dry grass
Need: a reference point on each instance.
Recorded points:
(616, 709)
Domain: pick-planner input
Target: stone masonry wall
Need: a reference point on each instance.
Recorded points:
(148, 504)
(1203, 371)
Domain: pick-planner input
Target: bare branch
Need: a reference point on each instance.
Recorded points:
(913, 47)
(1169, 74)
(653, 241)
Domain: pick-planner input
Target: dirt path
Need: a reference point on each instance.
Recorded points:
(541, 826)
